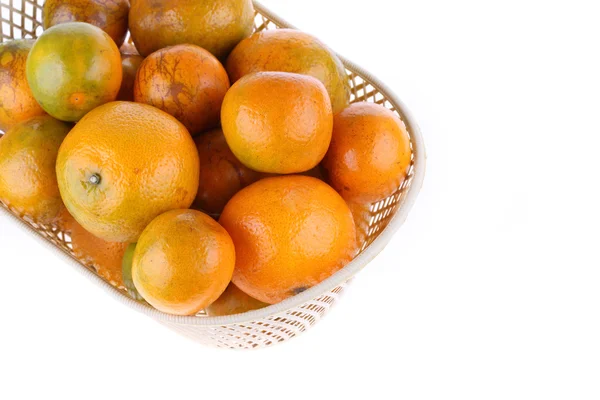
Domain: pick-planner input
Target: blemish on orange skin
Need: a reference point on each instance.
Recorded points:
(77, 99)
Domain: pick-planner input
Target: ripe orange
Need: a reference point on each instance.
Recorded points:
(108, 15)
(222, 175)
(369, 154)
(278, 122)
(216, 26)
(289, 50)
(290, 233)
(233, 301)
(73, 68)
(187, 82)
(16, 100)
(130, 63)
(124, 164)
(28, 154)
(183, 262)
(105, 257)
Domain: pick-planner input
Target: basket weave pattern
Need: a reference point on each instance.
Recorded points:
(21, 19)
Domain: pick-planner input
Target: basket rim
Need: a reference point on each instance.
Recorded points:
(337, 279)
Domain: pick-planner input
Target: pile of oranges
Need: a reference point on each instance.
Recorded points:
(206, 167)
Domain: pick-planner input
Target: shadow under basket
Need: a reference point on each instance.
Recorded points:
(285, 320)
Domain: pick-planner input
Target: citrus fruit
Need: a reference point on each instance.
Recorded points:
(289, 50)
(221, 175)
(28, 154)
(126, 266)
(108, 15)
(187, 82)
(130, 63)
(233, 301)
(278, 122)
(73, 68)
(104, 256)
(215, 25)
(124, 164)
(290, 233)
(369, 154)
(16, 100)
(183, 262)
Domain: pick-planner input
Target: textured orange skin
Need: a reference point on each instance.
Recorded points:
(290, 233)
(106, 257)
(28, 154)
(215, 25)
(369, 154)
(187, 82)
(130, 64)
(146, 161)
(278, 122)
(222, 175)
(233, 301)
(16, 100)
(289, 50)
(183, 262)
(73, 68)
(109, 15)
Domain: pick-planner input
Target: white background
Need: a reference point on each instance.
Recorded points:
(489, 291)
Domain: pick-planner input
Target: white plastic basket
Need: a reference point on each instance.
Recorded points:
(279, 322)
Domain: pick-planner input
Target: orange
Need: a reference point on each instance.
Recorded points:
(290, 233)
(289, 50)
(215, 25)
(108, 15)
(278, 122)
(370, 153)
(28, 154)
(233, 301)
(124, 164)
(222, 175)
(130, 63)
(183, 262)
(16, 100)
(73, 68)
(187, 82)
(105, 257)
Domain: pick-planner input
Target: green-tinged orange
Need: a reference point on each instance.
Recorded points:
(370, 153)
(289, 50)
(28, 154)
(278, 122)
(16, 100)
(108, 15)
(183, 262)
(73, 68)
(123, 165)
(187, 82)
(215, 25)
(233, 301)
(290, 233)
(222, 175)
(126, 266)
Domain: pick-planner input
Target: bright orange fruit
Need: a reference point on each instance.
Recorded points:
(290, 233)
(183, 262)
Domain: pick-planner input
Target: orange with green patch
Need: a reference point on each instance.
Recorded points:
(28, 153)
(73, 68)
(216, 26)
(17, 103)
(185, 81)
(109, 15)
